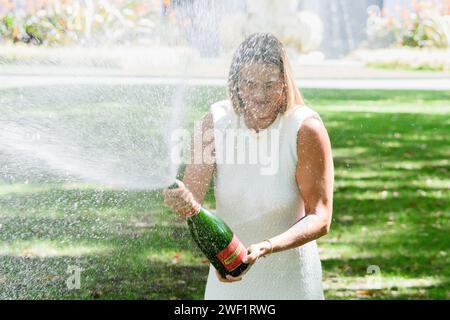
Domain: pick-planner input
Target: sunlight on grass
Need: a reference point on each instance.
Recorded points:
(394, 184)
(21, 188)
(415, 165)
(339, 250)
(348, 152)
(373, 281)
(432, 183)
(392, 144)
(368, 107)
(363, 173)
(424, 137)
(87, 186)
(41, 249)
(173, 257)
(26, 187)
(392, 195)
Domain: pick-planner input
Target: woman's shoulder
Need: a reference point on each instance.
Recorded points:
(299, 113)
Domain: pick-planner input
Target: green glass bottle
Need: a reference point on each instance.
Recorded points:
(217, 242)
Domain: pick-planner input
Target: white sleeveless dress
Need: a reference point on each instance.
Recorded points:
(260, 204)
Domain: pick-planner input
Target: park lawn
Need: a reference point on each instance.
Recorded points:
(388, 240)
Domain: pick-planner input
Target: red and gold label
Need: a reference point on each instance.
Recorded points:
(231, 257)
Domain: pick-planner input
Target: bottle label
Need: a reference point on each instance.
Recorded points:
(231, 257)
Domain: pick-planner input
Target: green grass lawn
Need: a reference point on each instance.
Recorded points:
(389, 236)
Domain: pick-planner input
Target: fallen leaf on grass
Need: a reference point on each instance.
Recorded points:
(52, 277)
(365, 293)
(176, 258)
(28, 252)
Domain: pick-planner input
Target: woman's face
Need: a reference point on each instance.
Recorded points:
(261, 90)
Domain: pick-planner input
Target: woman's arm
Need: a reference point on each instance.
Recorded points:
(198, 173)
(315, 177)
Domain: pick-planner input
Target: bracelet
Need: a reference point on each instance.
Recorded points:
(271, 246)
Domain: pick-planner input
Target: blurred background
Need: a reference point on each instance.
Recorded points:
(207, 32)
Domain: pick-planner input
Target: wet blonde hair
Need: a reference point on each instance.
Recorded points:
(262, 48)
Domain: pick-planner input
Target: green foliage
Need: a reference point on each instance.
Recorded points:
(75, 22)
(429, 29)
(422, 27)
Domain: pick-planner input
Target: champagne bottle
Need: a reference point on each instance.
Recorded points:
(217, 241)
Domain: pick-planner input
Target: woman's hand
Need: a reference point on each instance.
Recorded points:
(229, 278)
(180, 200)
(254, 252)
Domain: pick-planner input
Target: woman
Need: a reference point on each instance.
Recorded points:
(279, 213)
